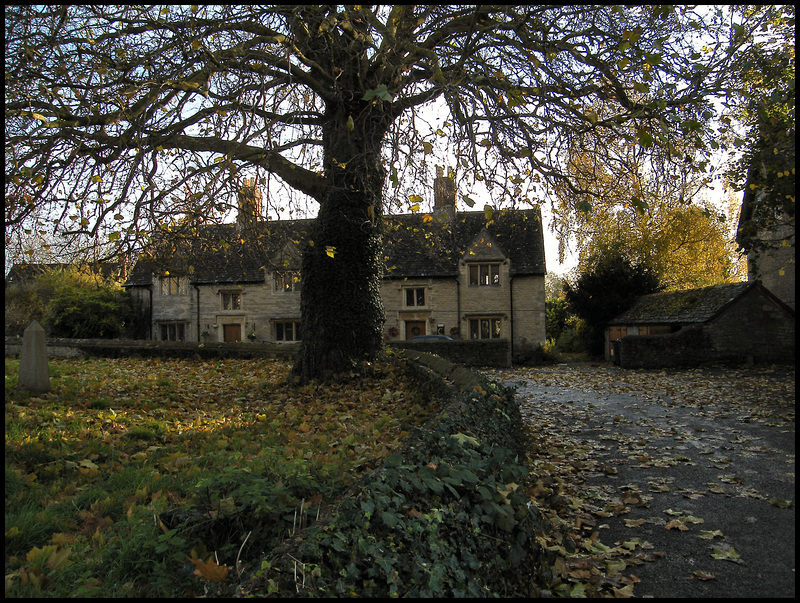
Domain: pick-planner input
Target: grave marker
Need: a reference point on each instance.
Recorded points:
(33, 370)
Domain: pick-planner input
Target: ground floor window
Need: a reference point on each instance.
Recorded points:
(485, 328)
(173, 331)
(287, 331)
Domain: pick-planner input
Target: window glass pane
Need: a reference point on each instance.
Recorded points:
(409, 297)
(287, 331)
(287, 281)
(173, 285)
(484, 274)
(420, 297)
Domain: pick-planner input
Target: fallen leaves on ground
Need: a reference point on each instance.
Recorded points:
(574, 474)
(95, 463)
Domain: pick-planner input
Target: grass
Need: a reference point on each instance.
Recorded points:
(143, 477)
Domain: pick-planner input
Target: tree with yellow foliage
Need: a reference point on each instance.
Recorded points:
(648, 215)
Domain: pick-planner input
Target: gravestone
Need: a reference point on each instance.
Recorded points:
(33, 371)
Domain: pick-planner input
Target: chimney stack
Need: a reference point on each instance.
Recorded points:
(444, 196)
(250, 204)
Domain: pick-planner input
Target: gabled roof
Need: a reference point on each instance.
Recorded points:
(222, 254)
(484, 248)
(415, 245)
(690, 306)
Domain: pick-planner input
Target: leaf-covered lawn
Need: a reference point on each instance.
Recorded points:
(153, 477)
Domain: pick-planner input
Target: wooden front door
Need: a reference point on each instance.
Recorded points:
(414, 328)
(232, 332)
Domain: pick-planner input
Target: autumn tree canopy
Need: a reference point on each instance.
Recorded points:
(655, 215)
(122, 119)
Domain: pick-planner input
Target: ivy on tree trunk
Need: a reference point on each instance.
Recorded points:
(341, 307)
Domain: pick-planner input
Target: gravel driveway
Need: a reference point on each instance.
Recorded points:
(686, 476)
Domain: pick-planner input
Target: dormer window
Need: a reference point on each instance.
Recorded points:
(173, 285)
(484, 274)
(287, 281)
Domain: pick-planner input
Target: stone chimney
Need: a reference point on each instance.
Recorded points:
(250, 204)
(444, 196)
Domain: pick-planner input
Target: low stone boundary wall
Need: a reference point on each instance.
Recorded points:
(484, 352)
(495, 352)
(113, 348)
(694, 346)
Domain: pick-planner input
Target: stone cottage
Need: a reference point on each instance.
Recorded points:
(470, 275)
(730, 323)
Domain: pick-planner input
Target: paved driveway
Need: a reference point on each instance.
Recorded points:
(687, 476)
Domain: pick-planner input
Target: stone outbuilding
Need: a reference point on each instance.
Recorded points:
(723, 324)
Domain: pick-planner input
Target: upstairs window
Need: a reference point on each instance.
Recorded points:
(287, 281)
(173, 285)
(415, 297)
(484, 274)
(231, 300)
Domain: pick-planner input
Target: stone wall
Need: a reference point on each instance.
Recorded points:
(775, 265)
(474, 352)
(687, 347)
(756, 326)
(113, 348)
(529, 315)
(494, 352)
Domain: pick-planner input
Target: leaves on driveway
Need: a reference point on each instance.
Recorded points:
(581, 444)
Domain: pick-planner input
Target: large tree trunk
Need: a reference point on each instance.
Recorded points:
(341, 307)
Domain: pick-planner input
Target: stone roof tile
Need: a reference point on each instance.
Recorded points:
(690, 306)
(415, 245)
